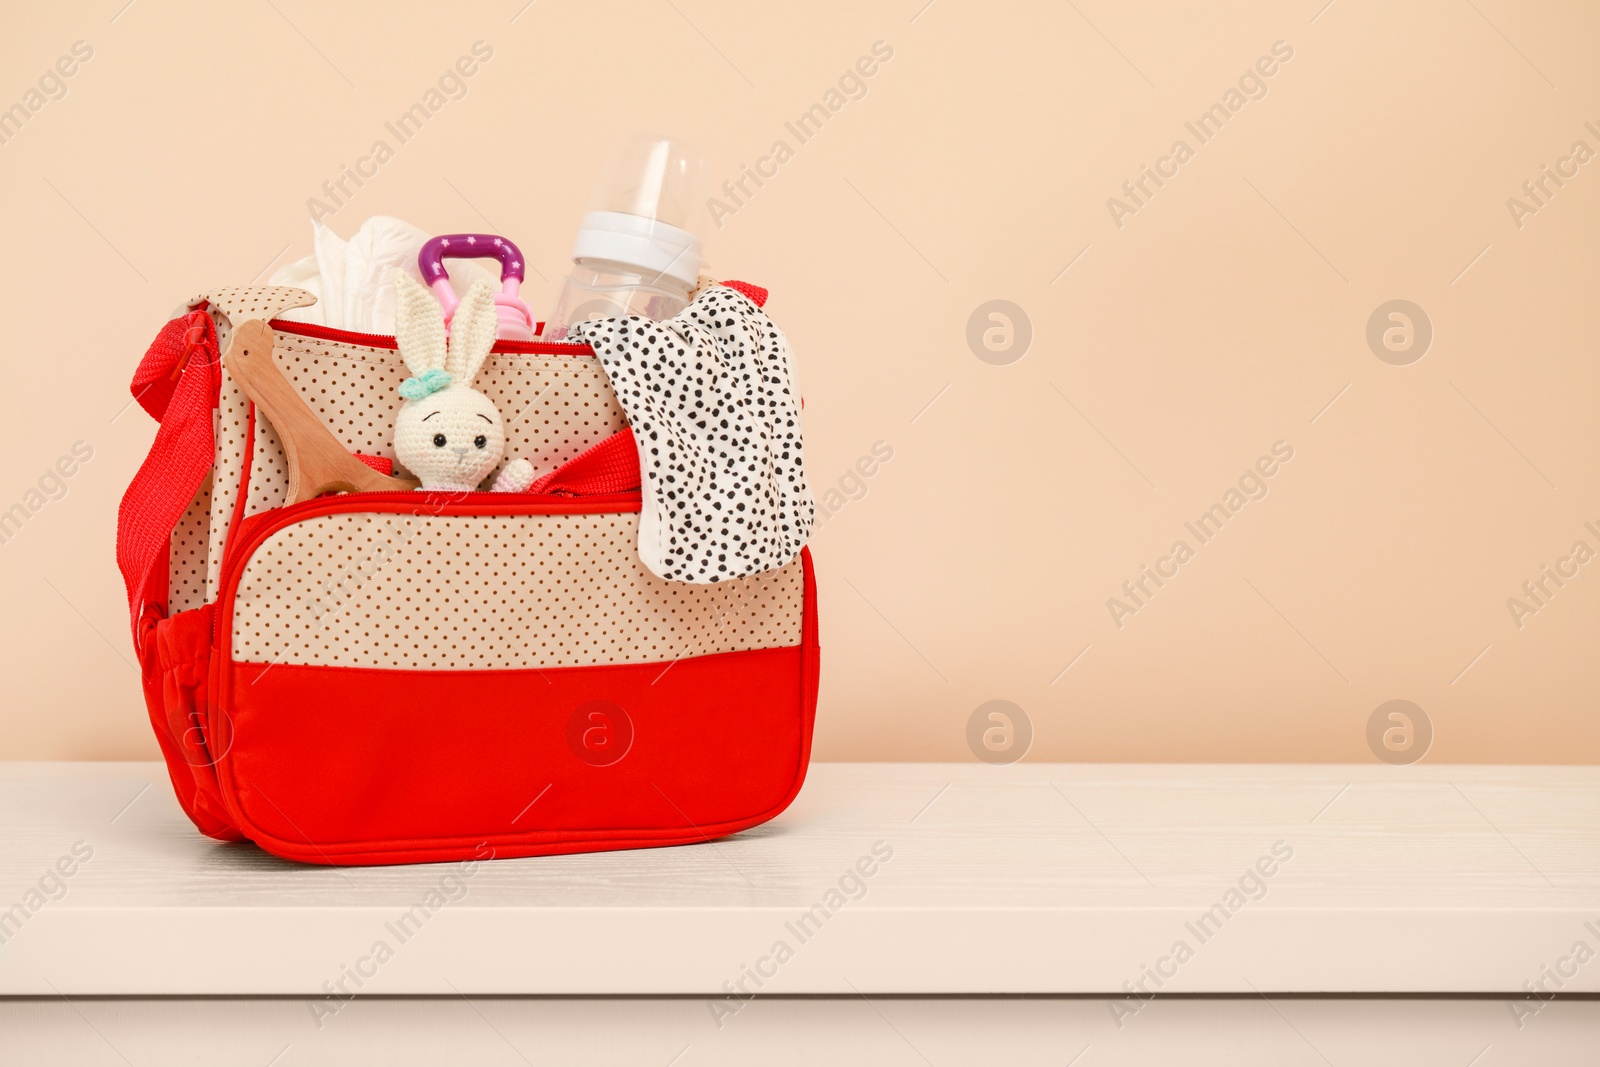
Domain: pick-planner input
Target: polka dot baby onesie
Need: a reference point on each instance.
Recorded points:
(715, 410)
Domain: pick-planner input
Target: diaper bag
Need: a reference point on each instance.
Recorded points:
(391, 677)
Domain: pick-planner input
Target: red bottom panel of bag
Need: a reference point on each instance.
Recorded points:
(357, 766)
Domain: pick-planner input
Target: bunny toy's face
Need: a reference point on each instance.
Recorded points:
(447, 434)
(450, 440)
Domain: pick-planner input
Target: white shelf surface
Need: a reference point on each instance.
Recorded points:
(1030, 879)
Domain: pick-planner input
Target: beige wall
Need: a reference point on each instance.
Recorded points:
(1171, 346)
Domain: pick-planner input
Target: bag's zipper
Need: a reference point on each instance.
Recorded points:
(384, 340)
(258, 527)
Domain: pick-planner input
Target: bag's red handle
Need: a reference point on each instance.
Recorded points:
(754, 293)
(177, 382)
(612, 466)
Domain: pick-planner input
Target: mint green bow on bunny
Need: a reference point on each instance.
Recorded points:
(428, 382)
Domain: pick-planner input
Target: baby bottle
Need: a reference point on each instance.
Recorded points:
(634, 254)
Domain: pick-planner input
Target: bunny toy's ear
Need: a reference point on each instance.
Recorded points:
(472, 332)
(418, 325)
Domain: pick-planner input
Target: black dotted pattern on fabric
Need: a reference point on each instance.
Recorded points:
(710, 395)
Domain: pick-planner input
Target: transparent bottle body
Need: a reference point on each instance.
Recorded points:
(596, 289)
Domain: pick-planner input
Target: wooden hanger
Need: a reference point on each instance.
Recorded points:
(318, 463)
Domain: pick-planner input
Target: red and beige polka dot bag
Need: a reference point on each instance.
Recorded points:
(395, 676)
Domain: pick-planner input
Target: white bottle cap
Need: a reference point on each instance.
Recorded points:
(655, 249)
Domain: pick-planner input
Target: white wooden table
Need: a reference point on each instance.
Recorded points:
(897, 913)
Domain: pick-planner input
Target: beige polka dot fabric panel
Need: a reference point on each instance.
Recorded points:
(228, 306)
(186, 560)
(554, 407)
(429, 592)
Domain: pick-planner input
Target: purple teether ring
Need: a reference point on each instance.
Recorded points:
(470, 246)
(516, 318)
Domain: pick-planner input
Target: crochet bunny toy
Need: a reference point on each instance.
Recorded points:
(447, 433)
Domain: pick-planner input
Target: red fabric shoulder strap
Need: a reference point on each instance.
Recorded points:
(755, 294)
(611, 466)
(177, 383)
